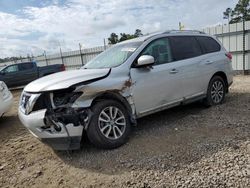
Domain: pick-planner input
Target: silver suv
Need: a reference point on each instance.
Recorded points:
(130, 80)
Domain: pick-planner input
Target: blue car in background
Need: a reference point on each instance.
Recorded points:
(23, 73)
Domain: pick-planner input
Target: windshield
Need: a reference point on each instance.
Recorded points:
(114, 56)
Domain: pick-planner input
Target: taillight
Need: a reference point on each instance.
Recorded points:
(229, 56)
(63, 67)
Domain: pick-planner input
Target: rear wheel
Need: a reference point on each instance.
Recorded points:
(110, 126)
(216, 91)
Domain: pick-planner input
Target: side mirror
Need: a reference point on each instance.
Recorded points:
(145, 60)
(2, 73)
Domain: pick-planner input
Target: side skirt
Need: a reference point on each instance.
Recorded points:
(171, 105)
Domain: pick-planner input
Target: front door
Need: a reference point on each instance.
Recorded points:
(11, 76)
(160, 85)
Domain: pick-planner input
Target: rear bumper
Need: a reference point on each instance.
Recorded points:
(6, 104)
(69, 138)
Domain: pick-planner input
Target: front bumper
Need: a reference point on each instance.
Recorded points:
(6, 104)
(69, 138)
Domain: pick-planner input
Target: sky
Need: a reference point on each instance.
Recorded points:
(34, 26)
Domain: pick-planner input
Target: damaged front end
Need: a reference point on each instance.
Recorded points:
(51, 117)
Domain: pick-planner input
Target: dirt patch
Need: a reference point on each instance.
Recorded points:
(188, 146)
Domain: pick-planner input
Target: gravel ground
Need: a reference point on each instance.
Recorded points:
(188, 146)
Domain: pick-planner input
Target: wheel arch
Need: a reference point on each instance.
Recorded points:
(113, 95)
(223, 76)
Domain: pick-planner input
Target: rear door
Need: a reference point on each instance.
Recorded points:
(187, 52)
(28, 72)
(213, 58)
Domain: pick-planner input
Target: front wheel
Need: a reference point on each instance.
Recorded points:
(110, 126)
(216, 91)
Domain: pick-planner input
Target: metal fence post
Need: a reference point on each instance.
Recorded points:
(244, 46)
(104, 43)
(80, 46)
(46, 58)
(61, 55)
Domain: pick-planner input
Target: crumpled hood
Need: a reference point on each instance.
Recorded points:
(63, 80)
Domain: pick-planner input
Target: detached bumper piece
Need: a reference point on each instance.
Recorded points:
(63, 143)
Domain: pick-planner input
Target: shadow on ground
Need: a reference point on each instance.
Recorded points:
(171, 139)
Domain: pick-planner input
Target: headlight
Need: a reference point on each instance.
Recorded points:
(3, 86)
(28, 101)
(4, 90)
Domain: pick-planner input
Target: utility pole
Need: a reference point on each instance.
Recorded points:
(80, 47)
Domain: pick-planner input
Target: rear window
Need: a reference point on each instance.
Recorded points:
(184, 47)
(208, 44)
(26, 66)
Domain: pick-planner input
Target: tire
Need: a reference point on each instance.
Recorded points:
(215, 96)
(103, 131)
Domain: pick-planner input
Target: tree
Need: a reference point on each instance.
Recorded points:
(113, 39)
(240, 13)
(227, 14)
(6, 59)
(138, 33)
(125, 36)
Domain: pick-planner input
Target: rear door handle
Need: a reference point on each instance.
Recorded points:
(174, 71)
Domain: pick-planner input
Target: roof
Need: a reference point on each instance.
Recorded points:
(177, 32)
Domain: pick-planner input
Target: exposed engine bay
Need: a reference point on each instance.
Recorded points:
(60, 111)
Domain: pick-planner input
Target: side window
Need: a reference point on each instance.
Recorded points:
(160, 50)
(12, 68)
(208, 44)
(184, 47)
(25, 66)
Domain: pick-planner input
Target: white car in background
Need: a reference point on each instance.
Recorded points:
(6, 98)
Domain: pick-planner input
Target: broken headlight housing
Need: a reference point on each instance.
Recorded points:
(63, 98)
(33, 102)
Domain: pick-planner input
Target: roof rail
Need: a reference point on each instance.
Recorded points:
(183, 31)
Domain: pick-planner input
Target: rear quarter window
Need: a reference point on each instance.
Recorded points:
(208, 44)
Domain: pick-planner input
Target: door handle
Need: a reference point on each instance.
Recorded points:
(208, 62)
(173, 71)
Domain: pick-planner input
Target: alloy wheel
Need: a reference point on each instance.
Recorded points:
(112, 122)
(217, 92)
